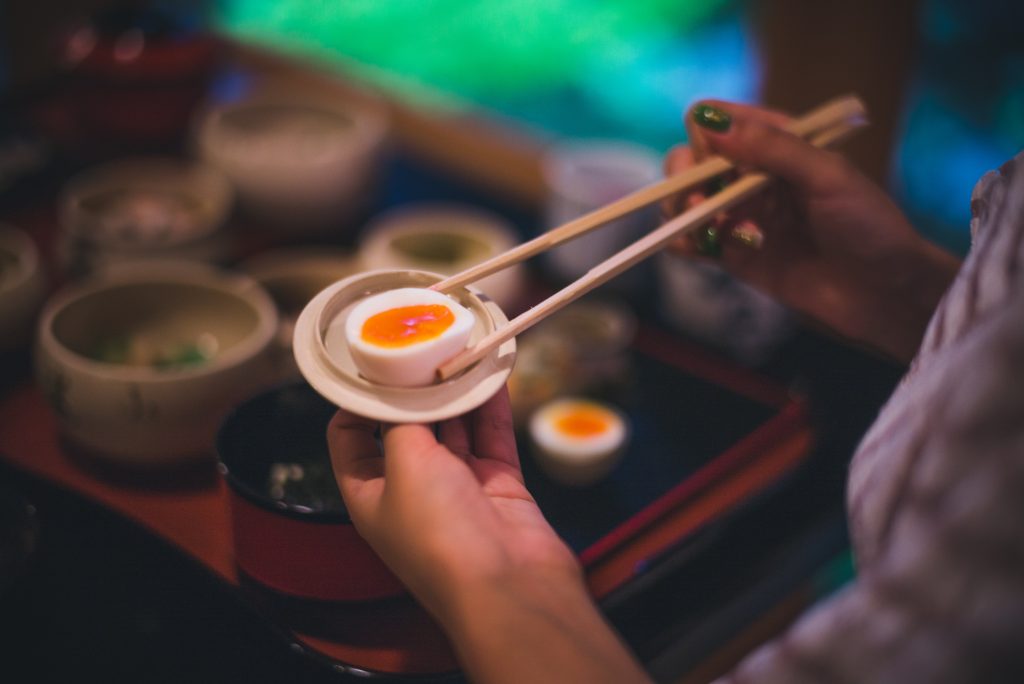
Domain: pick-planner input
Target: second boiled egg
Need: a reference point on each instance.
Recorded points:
(400, 337)
(577, 441)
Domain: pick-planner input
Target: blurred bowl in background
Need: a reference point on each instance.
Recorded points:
(703, 301)
(445, 239)
(301, 162)
(583, 175)
(582, 349)
(141, 365)
(292, 276)
(291, 530)
(22, 287)
(143, 208)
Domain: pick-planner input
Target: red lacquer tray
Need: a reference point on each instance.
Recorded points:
(396, 636)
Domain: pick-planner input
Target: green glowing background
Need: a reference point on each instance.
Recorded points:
(478, 48)
(581, 67)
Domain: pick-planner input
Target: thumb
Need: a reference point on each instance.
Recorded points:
(755, 138)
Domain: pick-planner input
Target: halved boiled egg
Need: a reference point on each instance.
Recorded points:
(577, 441)
(400, 337)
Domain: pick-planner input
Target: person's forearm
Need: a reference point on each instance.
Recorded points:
(529, 630)
(888, 307)
(921, 276)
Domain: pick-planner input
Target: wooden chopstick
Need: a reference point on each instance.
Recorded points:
(698, 215)
(844, 109)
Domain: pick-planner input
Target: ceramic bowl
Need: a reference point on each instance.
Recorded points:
(301, 163)
(291, 530)
(143, 208)
(141, 365)
(702, 300)
(583, 175)
(292, 277)
(445, 239)
(22, 286)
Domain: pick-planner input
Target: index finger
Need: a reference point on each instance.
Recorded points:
(493, 432)
(355, 454)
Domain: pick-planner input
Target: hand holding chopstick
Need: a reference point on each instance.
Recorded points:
(825, 126)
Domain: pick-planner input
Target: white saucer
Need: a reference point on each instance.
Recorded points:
(325, 361)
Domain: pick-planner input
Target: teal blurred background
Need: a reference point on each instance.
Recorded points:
(627, 69)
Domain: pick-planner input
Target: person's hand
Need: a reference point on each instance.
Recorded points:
(835, 247)
(446, 510)
(451, 517)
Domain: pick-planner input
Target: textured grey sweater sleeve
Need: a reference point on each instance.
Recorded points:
(936, 494)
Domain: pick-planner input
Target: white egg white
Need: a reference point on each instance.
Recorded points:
(414, 365)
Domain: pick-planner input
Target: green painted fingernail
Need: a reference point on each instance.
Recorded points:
(708, 243)
(711, 117)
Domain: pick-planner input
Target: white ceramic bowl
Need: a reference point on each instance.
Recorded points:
(141, 365)
(583, 175)
(143, 208)
(445, 239)
(301, 163)
(700, 299)
(22, 285)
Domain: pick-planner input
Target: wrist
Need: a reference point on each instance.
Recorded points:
(921, 274)
(524, 625)
(473, 596)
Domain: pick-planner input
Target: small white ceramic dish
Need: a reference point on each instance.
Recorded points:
(445, 239)
(22, 285)
(143, 208)
(140, 365)
(326, 362)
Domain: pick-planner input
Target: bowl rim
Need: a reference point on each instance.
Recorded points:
(369, 129)
(560, 161)
(461, 220)
(242, 287)
(249, 492)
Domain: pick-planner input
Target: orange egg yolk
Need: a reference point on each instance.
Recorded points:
(583, 422)
(407, 325)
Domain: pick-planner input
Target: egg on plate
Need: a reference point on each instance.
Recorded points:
(400, 337)
(577, 441)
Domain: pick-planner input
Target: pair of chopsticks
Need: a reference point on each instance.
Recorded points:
(824, 126)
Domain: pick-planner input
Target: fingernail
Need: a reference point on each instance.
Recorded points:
(708, 243)
(711, 117)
